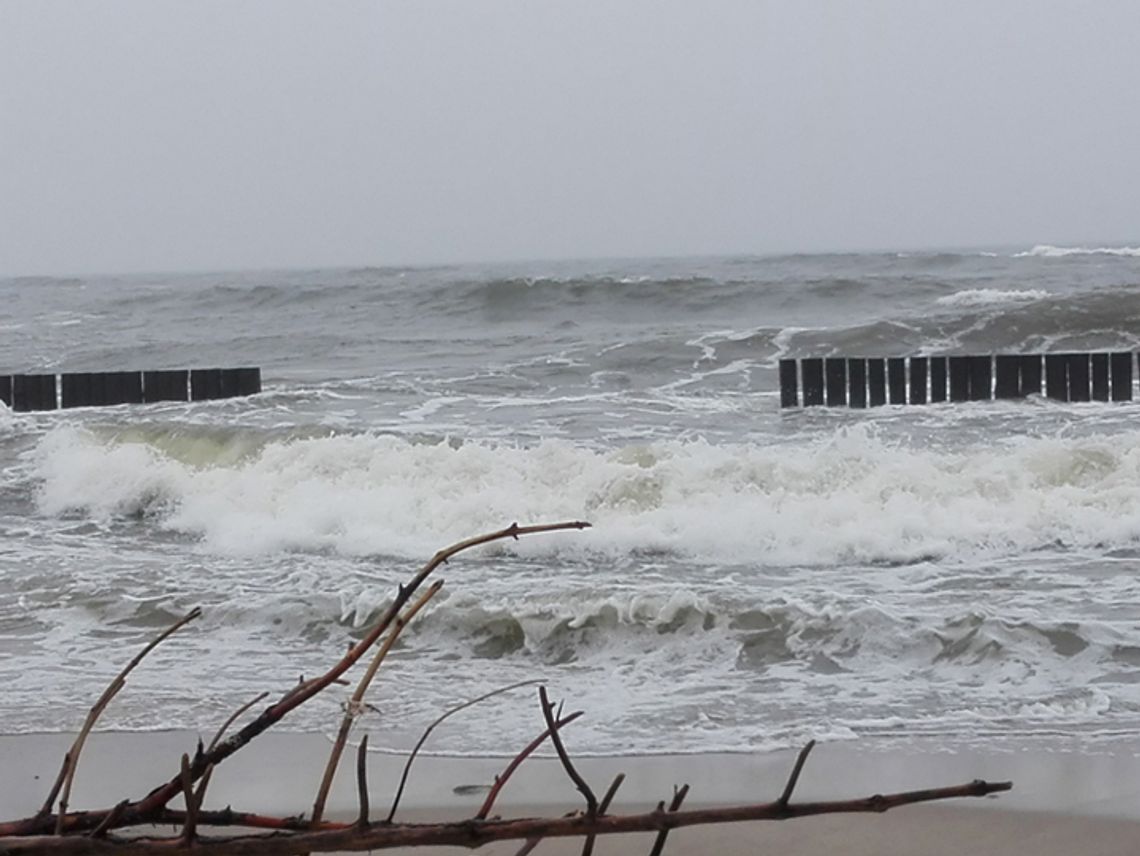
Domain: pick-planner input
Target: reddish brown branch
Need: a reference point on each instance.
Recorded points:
(362, 782)
(603, 807)
(564, 757)
(501, 779)
(475, 833)
(678, 798)
(797, 768)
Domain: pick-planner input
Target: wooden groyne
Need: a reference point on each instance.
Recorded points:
(875, 381)
(26, 392)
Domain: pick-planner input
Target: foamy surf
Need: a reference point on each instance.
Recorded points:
(851, 496)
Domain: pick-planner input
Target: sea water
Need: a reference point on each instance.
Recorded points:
(754, 576)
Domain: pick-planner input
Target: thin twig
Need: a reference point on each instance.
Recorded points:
(579, 782)
(221, 732)
(355, 704)
(188, 830)
(603, 807)
(71, 759)
(108, 822)
(502, 778)
(362, 782)
(432, 727)
(678, 798)
(795, 776)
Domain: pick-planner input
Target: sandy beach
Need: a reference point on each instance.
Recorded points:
(1062, 801)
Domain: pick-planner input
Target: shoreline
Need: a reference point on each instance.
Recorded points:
(1061, 801)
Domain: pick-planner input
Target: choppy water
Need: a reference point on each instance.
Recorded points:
(753, 576)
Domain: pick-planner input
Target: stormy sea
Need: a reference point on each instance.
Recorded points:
(965, 572)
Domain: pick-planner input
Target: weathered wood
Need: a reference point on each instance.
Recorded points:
(896, 380)
(1030, 375)
(1120, 371)
(1007, 376)
(240, 382)
(1056, 377)
(33, 392)
(835, 371)
(6, 389)
(938, 379)
(812, 370)
(959, 378)
(475, 833)
(205, 384)
(877, 381)
(166, 385)
(789, 384)
(981, 378)
(918, 380)
(1077, 370)
(857, 377)
(1099, 377)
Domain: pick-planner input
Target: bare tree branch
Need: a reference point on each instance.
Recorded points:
(575, 777)
(475, 833)
(71, 759)
(502, 778)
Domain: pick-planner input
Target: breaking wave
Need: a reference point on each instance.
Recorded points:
(1051, 252)
(850, 496)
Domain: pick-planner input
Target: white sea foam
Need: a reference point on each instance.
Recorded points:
(1051, 252)
(991, 297)
(850, 497)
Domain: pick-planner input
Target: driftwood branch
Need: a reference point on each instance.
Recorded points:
(678, 798)
(71, 758)
(356, 703)
(502, 778)
(563, 755)
(362, 783)
(603, 807)
(475, 833)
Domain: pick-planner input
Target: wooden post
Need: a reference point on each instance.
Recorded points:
(6, 389)
(1100, 377)
(789, 386)
(205, 384)
(918, 380)
(896, 380)
(877, 381)
(836, 376)
(1007, 381)
(238, 382)
(75, 389)
(981, 378)
(33, 392)
(1030, 380)
(166, 386)
(857, 373)
(938, 379)
(813, 381)
(959, 379)
(1120, 369)
(1056, 377)
(1077, 368)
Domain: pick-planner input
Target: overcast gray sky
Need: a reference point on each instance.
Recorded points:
(151, 135)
